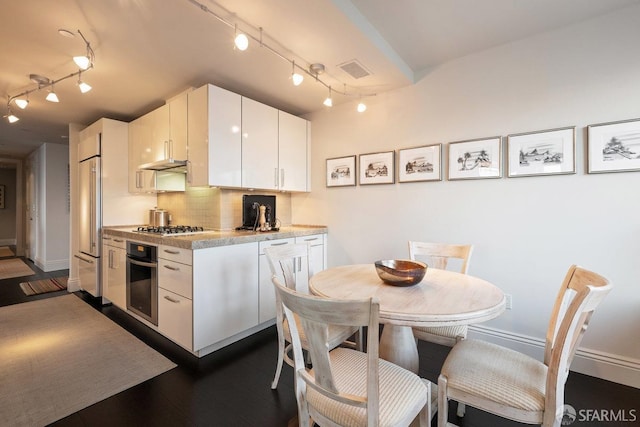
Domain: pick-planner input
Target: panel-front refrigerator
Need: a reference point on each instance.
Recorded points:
(90, 215)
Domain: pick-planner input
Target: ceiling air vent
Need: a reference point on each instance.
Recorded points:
(354, 69)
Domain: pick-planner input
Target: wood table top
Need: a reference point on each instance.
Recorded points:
(442, 298)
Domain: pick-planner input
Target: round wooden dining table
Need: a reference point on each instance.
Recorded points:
(442, 298)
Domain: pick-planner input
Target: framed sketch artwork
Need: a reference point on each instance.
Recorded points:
(377, 168)
(475, 159)
(548, 152)
(420, 163)
(341, 171)
(614, 146)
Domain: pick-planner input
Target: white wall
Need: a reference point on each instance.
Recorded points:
(8, 234)
(52, 252)
(527, 231)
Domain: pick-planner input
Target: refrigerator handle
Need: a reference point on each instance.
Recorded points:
(83, 259)
(92, 204)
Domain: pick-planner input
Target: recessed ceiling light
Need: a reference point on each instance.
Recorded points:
(66, 33)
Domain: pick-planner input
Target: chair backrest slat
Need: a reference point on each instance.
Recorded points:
(439, 254)
(285, 259)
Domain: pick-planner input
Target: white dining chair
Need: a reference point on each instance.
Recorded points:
(345, 387)
(438, 255)
(513, 385)
(286, 262)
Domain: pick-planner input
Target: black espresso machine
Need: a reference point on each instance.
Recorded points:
(251, 211)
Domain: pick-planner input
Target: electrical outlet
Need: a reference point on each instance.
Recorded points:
(509, 298)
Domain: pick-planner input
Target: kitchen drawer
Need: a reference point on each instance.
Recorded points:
(277, 242)
(175, 277)
(313, 240)
(118, 242)
(173, 253)
(175, 318)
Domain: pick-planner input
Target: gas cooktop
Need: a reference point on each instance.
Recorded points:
(170, 230)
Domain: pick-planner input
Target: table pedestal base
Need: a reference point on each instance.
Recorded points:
(397, 345)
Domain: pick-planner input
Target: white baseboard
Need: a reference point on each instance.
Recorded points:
(47, 266)
(7, 242)
(607, 366)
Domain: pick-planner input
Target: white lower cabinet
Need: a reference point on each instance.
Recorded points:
(175, 317)
(114, 273)
(225, 292)
(206, 296)
(175, 290)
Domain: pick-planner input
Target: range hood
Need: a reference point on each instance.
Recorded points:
(166, 165)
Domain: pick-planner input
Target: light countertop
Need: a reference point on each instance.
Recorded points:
(212, 238)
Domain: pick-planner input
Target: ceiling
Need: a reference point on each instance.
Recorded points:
(147, 51)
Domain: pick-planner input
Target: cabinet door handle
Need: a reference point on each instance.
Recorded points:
(166, 150)
(169, 251)
(189, 171)
(311, 239)
(168, 267)
(279, 244)
(275, 177)
(118, 240)
(110, 258)
(106, 238)
(281, 178)
(168, 298)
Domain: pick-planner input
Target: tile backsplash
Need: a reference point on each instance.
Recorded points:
(216, 208)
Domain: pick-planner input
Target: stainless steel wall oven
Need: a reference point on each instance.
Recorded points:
(142, 280)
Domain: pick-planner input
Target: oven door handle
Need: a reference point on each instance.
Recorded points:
(142, 264)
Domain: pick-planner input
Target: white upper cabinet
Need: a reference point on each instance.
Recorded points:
(176, 145)
(215, 145)
(168, 125)
(140, 181)
(293, 153)
(259, 145)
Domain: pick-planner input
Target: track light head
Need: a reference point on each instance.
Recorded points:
(84, 87)
(83, 62)
(362, 107)
(51, 96)
(21, 103)
(328, 102)
(241, 40)
(296, 78)
(11, 118)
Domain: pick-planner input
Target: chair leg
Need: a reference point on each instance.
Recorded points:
(359, 340)
(443, 415)
(274, 384)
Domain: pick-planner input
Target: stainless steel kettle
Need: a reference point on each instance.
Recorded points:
(159, 217)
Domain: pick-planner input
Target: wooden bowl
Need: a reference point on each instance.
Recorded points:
(401, 272)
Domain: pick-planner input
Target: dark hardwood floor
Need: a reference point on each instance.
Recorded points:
(231, 387)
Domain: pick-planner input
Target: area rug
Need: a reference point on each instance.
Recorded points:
(59, 355)
(6, 251)
(45, 285)
(14, 267)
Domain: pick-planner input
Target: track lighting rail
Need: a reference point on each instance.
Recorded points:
(313, 70)
(84, 63)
